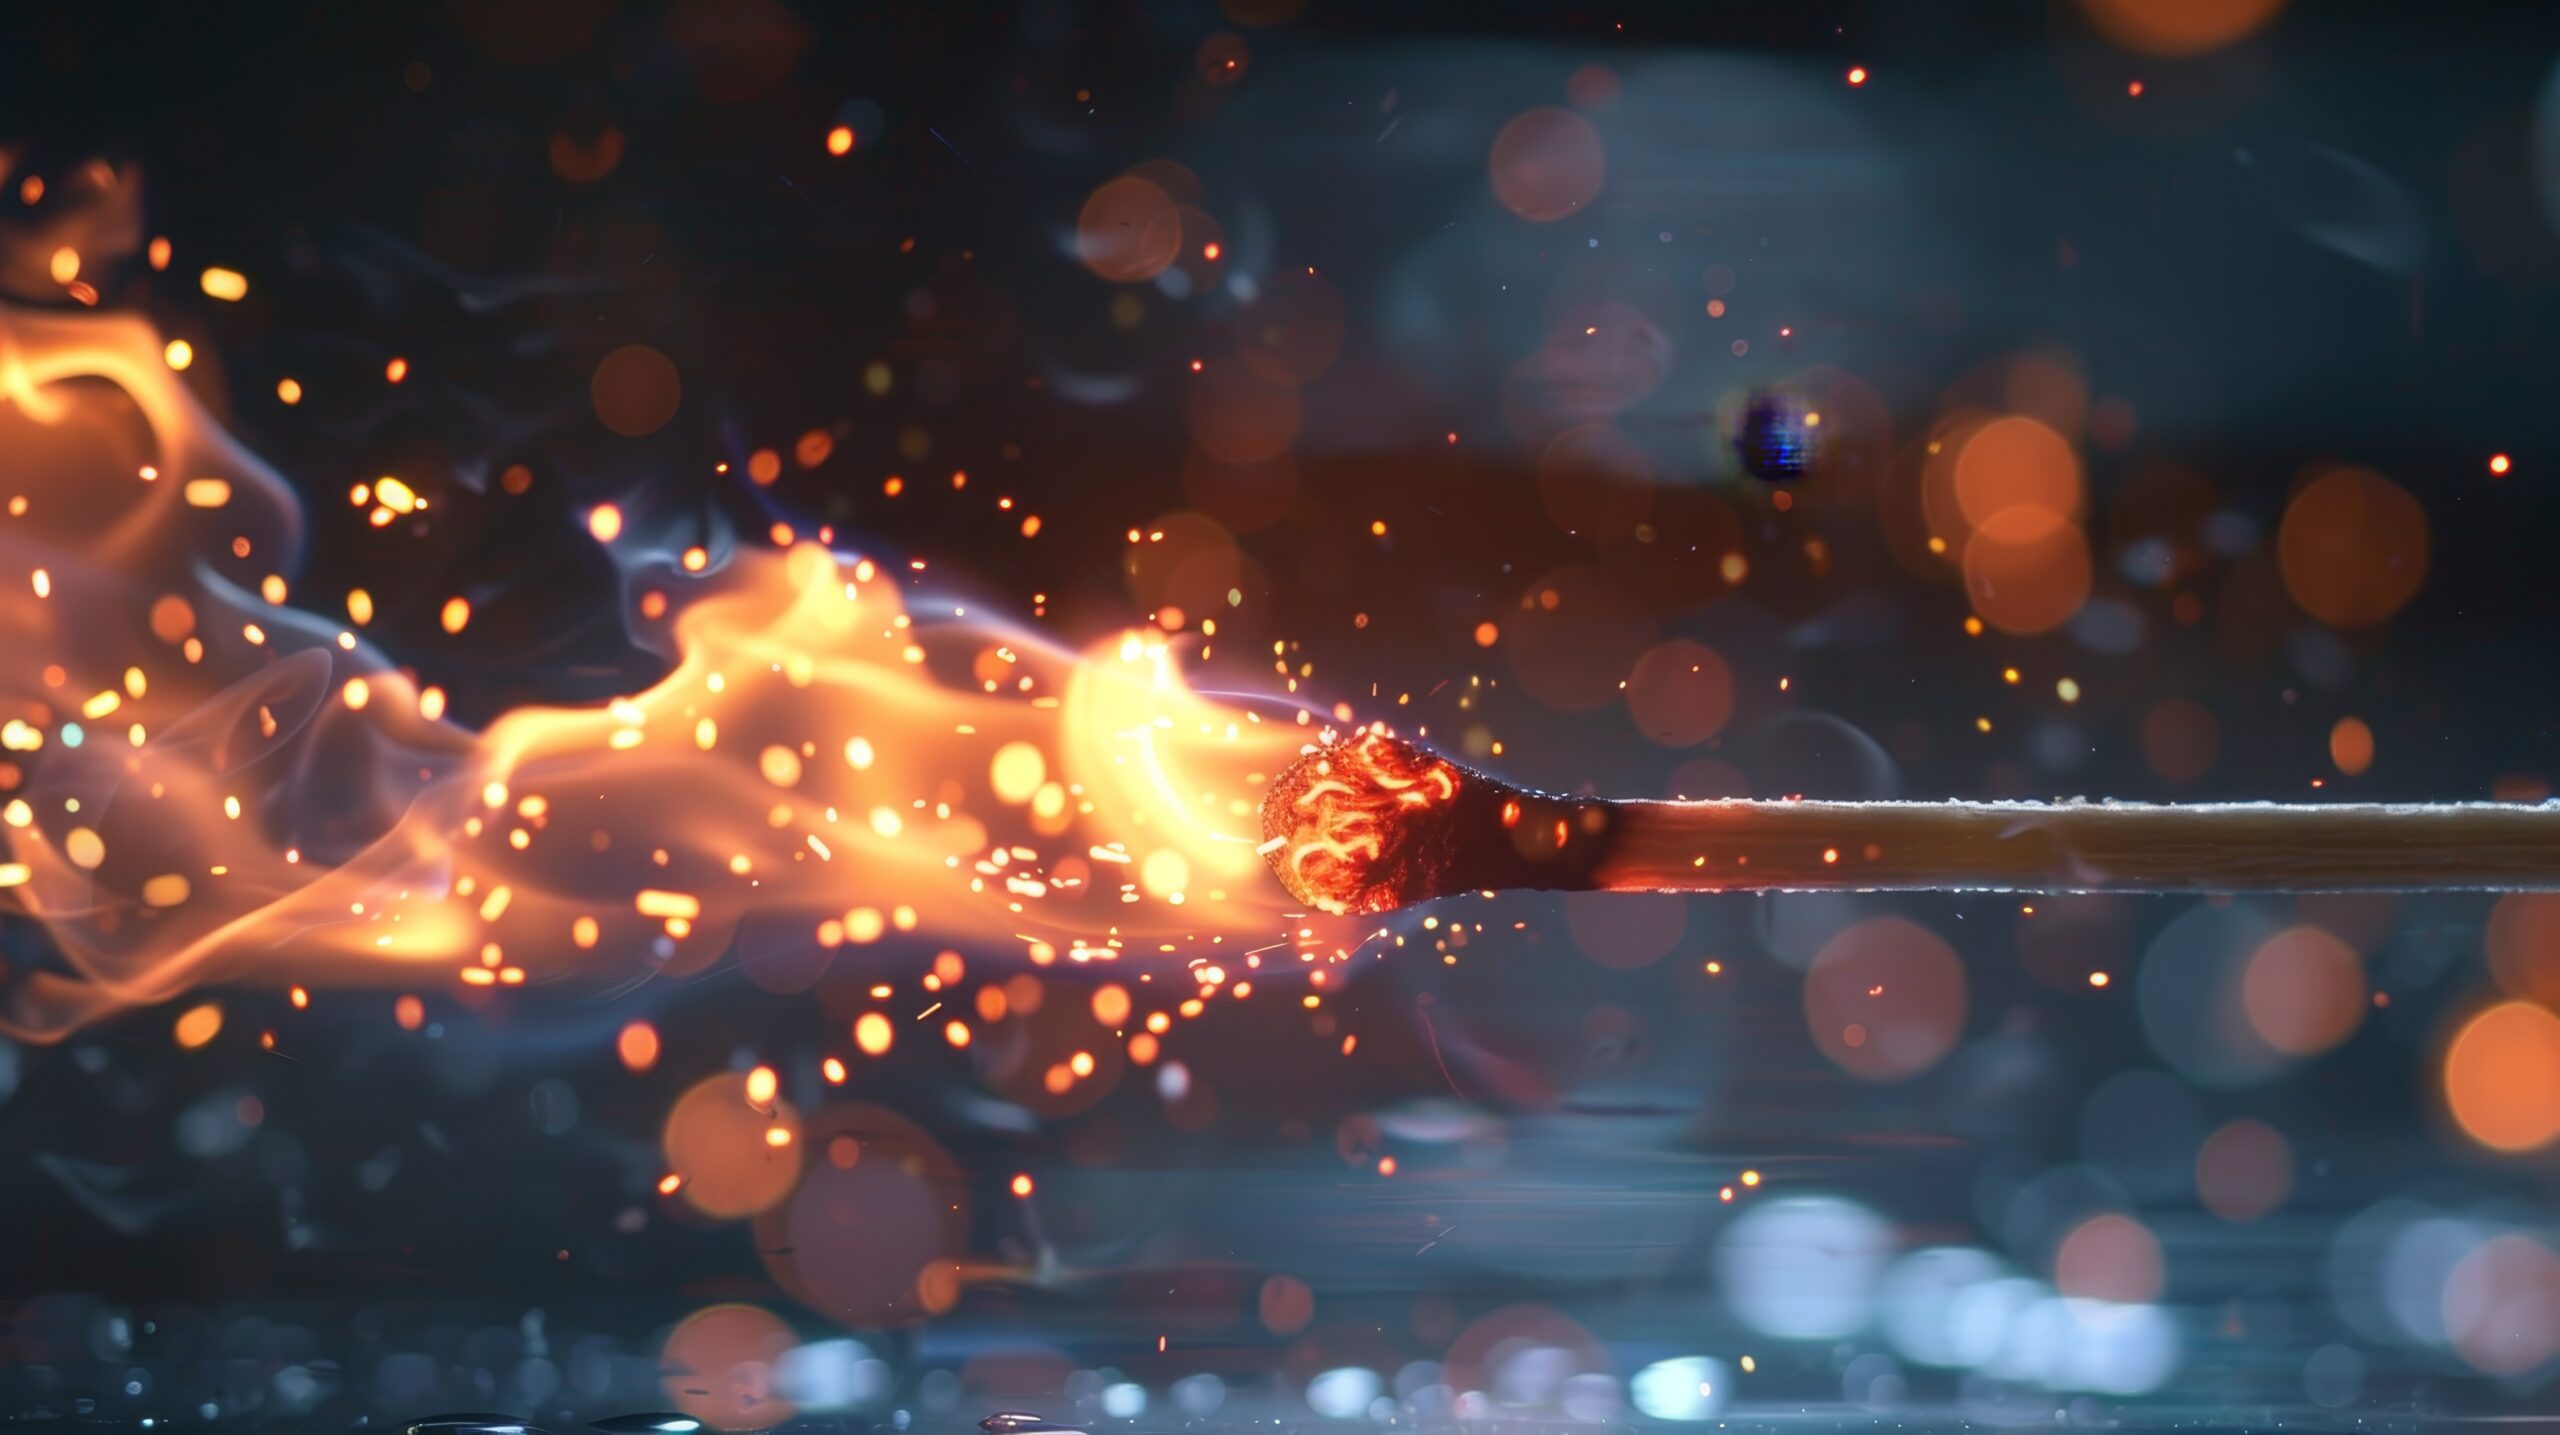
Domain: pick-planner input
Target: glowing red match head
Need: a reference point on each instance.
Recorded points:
(1367, 824)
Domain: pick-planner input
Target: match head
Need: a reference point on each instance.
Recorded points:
(1372, 823)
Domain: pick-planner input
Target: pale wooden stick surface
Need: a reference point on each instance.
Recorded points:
(2077, 847)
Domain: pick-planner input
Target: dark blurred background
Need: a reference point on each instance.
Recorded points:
(2171, 380)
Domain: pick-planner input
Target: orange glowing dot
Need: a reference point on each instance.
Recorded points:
(777, 1136)
(289, 390)
(1111, 1005)
(1715, 969)
(956, 1032)
(1195, 366)
(1022, 1184)
(872, 1032)
(833, 1070)
(301, 999)
(2499, 464)
(199, 1025)
(2099, 979)
(668, 1183)
(1386, 1165)
(1830, 854)
(2134, 89)
(409, 1012)
(179, 353)
(2351, 745)
(1857, 74)
(605, 522)
(637, 1045)
(1751, 1178)
(396, 370)
(762, 1084)
(1487, 635)
(1725, 1194)
(840, 140)
(1211, 250)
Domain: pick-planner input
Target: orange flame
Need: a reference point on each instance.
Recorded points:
(202, 783)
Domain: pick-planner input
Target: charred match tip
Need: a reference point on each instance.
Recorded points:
(1371, 823)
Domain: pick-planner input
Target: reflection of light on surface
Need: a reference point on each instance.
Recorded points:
(831, 1375)
(1917, 1305)
(1874, 1381)
(2067, 1344)
(2502, 1305)
(1688, 1387)
(2111, 1258)
(1981, 1315)
(2333, 1376)
(2355, 1269)
(1802, 1268)
(1124, 1400)
(719, 1366)
(1199, 1395)
(2415, 1267)
(1343, 1393)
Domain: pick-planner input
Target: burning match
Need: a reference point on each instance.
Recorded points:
(1373, 823)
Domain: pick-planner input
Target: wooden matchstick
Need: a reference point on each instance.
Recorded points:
(1372, 823)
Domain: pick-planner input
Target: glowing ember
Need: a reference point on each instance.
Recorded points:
(1342, 827)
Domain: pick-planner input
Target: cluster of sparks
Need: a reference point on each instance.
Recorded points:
(829, 753)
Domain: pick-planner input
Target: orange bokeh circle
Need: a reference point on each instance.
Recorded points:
(2352, 547)
(2027, 570)
(2502, 1077)
(722, 1146)
(1547, 163)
